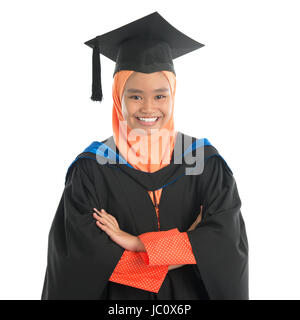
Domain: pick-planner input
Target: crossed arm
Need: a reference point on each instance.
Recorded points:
(148, 257)
(151, 244)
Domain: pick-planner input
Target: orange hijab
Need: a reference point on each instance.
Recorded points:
(149, 152)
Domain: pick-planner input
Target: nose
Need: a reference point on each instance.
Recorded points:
(148, 107)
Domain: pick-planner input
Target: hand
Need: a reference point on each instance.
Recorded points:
(110, 226)
(198, 220)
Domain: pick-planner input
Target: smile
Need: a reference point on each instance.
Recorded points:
(148, 121)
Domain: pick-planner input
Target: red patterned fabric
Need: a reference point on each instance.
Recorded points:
(132, 271)
(166, 248)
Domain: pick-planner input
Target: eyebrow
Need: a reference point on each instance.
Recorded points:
(132, 90)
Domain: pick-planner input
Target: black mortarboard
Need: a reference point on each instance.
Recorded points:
(145, 45)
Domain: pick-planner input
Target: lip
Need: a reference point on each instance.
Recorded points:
(148, 124)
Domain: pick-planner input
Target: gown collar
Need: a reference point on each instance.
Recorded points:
(182, 161)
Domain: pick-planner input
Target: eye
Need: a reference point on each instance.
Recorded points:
(132, 97)
(160, 96)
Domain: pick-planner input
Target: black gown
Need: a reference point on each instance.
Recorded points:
(81, 257)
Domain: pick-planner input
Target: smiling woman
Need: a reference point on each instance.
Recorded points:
(144, 128)
(170, 227)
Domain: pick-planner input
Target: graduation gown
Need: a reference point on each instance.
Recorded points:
(81, 257)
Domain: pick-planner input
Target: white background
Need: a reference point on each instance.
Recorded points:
(240, 91)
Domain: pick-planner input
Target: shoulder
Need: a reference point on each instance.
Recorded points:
(216, 164)
(86, 160)
(206, 151)
(191, 144)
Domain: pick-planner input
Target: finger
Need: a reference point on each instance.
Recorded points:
(104, 220)
(103, 227)
(98, 217)
(111, 218)
(199, 218)
(197, 221)
(98, 214)
(100, 225)
(97, 210)
(192, 227)
(111, 221)
(200, 214)
(102, 214)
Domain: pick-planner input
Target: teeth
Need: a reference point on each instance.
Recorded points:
(148, 119)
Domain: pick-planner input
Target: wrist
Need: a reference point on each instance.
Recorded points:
(139, 245)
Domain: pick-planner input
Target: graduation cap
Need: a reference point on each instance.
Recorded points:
(146, 45)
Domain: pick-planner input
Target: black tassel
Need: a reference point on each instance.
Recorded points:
(96, 86)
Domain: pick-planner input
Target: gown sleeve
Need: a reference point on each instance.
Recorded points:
(219, 242)
(81, 257)
(133, 271)
(169, 247)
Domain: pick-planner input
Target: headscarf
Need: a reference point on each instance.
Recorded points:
(133, 146)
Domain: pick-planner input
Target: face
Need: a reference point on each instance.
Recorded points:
(147, 101)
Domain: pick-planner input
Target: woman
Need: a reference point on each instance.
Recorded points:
(168, 229)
